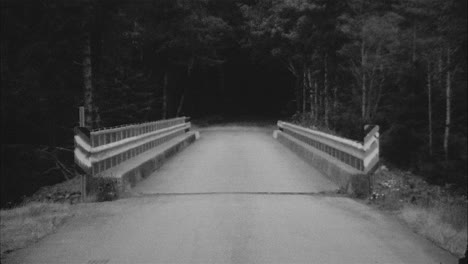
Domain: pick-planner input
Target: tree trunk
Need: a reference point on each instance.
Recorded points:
(439, 70)
(4, 69)
(363, 85)
(325, 92)
(413, 46)
(373, 104)
(185, 91)
(304, 91)
(164, 95)
(311, 94)
(316, 102)
(222, 87)
(448, 99)
(429, 108)
(335, 99)
(88, 83)
(181, 103)
(298, 94)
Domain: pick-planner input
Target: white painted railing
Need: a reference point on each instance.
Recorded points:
(362, 156)
(99, 150)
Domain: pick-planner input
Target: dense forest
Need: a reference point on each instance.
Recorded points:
(332, 65)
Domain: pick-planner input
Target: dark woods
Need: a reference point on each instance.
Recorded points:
(335, 65)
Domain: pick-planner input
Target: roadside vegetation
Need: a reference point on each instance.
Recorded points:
(38, 215)
(437, 212)
(26, 224)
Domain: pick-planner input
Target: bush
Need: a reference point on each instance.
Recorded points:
(360, 185)
(107, 188)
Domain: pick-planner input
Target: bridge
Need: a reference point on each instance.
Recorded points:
(229, 194)
(124, 155)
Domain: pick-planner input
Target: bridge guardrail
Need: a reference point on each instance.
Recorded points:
(99, 150)
(362, 156)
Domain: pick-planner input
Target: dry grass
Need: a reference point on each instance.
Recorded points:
(431, 211)
(434, 223)
(24, 225)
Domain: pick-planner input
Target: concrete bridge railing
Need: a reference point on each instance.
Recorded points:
(349, 163)
(128, 153)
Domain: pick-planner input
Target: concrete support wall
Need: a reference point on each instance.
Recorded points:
(120, 180)
(130, 178)
(349, 179)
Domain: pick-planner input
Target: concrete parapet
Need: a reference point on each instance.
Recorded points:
(117, 181)
(362, 156)
(111, 160)
(349, 179)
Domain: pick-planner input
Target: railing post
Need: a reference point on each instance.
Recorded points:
(83, 186)
(81, 112)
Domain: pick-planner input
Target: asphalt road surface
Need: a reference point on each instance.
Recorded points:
(234, 196)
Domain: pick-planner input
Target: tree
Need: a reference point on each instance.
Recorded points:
(182, 35)
(370, 52)
(303, 34)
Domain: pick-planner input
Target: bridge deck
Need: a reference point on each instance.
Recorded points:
(231, 160)
(235, 196)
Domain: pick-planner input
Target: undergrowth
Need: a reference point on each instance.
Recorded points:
(432, 211)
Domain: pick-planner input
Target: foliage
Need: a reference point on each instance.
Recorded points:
(400, 64)
(107, 188)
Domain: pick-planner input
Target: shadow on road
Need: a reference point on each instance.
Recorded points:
(244, 121)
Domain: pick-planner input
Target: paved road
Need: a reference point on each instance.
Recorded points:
(234, 196)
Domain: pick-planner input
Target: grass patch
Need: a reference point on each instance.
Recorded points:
(444, 225)
(432, 211)
(26, 224)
